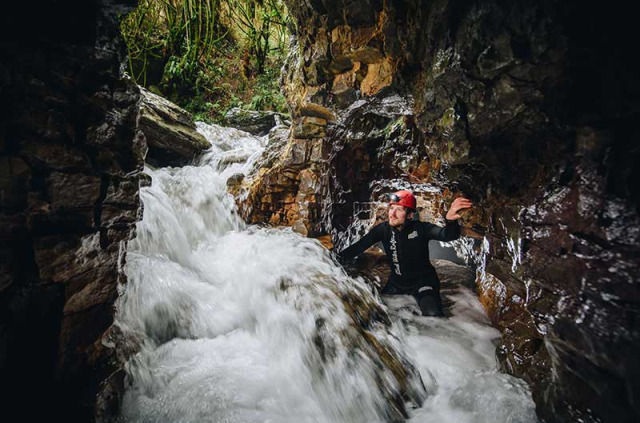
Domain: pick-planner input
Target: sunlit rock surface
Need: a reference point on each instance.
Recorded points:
(170, 132)
(521, 106)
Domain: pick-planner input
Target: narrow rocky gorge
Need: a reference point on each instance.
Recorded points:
(528, 108)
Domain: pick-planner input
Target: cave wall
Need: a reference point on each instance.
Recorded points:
(70, 159)
(526, 107)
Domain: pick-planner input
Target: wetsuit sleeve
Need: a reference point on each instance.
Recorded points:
(449, 233)
(359, 247)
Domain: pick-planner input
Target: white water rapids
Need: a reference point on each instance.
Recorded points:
(225, 319)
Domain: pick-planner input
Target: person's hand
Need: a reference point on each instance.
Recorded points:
(458, 204)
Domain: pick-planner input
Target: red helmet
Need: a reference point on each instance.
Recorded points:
(404, 198)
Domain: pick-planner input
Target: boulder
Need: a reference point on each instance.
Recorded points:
(452, 274)
(171, 133)
(255, 122)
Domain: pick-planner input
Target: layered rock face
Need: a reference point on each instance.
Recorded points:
(69, 177)
(525, 107)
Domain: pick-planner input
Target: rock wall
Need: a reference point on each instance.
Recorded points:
(70, 160)
(526, 107)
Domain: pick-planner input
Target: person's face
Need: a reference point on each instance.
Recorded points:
(397, 215)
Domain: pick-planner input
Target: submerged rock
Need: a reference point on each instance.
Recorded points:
(369, 334)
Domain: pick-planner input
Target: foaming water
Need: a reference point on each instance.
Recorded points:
(231, 339)
(459, 353)
(237, 323)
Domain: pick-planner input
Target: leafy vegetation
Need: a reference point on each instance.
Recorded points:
(209, 55)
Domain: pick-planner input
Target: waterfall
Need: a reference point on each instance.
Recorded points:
(235, 323)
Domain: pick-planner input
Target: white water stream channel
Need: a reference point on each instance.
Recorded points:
(224, 316)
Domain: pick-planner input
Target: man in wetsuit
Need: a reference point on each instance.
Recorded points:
(406, 244)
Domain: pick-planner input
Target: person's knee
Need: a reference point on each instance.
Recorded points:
(430, 306)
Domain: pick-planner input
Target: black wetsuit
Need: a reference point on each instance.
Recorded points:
(407, 253)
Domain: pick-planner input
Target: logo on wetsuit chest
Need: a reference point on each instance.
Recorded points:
(394, 253)
(413, 234)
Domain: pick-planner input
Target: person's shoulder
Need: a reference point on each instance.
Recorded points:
(382, 226)
(380, 229)
(423, 226)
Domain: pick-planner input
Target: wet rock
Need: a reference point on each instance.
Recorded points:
(95, 287)
(451, 274)
(73, 190)
(123, 190)
(379, 75)
(367, 332)
(309, 127)
(145, 180)
(276, 144)
(255, 122)
(235, 180)
(170, 132)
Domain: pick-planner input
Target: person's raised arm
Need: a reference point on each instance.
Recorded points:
(451, 231)
(364, 243)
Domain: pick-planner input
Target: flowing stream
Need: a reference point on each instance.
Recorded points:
(238, 323)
